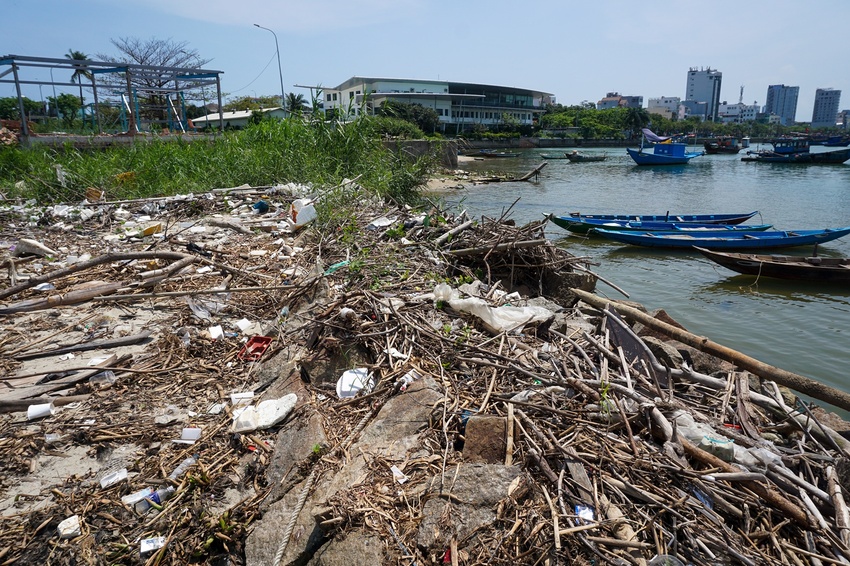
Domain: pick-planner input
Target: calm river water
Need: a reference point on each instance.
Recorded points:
(802, 328)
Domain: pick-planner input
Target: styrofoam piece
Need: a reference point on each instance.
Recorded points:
(241, 398)
(70, 527)
(353, 381)
(148, 545)
(216, 332)
(243, 324)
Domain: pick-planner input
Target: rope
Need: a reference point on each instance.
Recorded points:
(302, 499)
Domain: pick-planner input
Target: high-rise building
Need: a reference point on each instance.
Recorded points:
(704, 86)
(782, 102)
(825, 112)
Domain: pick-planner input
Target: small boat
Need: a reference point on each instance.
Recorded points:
(722, 144)
(798, 268)
(576, 157)
(664, 151)
(726, 239)
(797, 150)
(550, 156)
(588, 225)
(732, 218)
(494, 153)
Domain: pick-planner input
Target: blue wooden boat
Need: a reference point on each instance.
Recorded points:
(663, 152)
(726, 239)
(727, 218)
(588, 225)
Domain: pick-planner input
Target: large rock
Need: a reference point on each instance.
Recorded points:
(355, 548)
(462, 502)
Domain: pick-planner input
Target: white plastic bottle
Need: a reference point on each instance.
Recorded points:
(184, 465)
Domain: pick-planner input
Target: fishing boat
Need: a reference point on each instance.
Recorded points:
(556, 156)
(576, 157)
(726, 239)
(722, 144)
(797, 150)
(588, 225)
(798, 268)
(664, 151)
(726, 218)
(494, 153)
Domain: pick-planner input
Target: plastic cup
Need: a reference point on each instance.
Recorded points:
(39, 411)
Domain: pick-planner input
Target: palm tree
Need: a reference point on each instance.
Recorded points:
(636, 118)
(80, 71)
(296, 103)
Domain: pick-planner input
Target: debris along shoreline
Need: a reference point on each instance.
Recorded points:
(214, 380)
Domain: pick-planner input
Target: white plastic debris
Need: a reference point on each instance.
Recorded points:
(381, 222)
(302, 212)
(216, 332)
(243, 324)
(353, 381)
(40, 410)
(496, 319)
(398, 475)
(113, 477)
(70, 527)
(188, 436)
(148, 545)
(136, 496)
(25, 246)
(241, 398)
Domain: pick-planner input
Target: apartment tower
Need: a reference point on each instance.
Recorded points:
(782, 102)
(825, 112)
(704, 86)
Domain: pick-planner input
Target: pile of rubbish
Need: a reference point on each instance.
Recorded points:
(216, 379)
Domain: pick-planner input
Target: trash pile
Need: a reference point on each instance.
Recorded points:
(213, 379)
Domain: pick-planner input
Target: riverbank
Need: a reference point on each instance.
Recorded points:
(433, 392)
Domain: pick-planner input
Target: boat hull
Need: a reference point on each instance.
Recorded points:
(730, 218)
(588, 225)
(725, 239)
(795, 268)
(805, 158)
(582, 158)
(644, 158)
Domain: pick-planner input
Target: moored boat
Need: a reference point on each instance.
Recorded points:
(494, 153)
(797, 268)
(797, 150)
(724, 218)
(726, 239)
(555, 156)
(722, 144)
(576, 157)
(664, 151)
(588, 225)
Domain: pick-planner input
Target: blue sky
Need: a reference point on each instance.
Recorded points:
(577, 50)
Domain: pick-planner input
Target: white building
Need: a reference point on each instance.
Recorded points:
(825, 111)
(669, 107)
(704, 86)
(458, 105)
(737, 113)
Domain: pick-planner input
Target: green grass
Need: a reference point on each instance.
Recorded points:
(320, 153)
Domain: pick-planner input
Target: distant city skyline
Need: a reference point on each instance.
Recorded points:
(574, 50)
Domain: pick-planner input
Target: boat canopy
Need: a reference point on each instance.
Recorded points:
(651, 136)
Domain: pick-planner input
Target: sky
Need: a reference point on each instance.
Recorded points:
(576, 50)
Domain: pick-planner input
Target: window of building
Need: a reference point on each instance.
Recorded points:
(328, 98)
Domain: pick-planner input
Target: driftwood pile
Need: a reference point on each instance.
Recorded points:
(621, 452)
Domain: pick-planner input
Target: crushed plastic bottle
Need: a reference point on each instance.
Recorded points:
(184, 465)
(155, 498)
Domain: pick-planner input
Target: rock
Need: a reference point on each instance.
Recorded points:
(26, 246)
(475, 490)
(666, 352)
(356, 548)
(485, 439)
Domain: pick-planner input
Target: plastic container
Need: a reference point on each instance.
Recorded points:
(302, 212)
(183, 467)
(157, 497)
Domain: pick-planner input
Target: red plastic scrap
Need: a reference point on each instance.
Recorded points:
(254, 348)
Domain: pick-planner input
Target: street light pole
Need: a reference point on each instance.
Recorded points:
(279, 69)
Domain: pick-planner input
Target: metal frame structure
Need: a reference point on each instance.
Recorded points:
(182, 77)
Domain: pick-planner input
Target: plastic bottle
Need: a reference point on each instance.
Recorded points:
(184, 465)
(157, 497)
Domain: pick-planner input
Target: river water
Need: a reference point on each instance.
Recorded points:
(799, 327)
